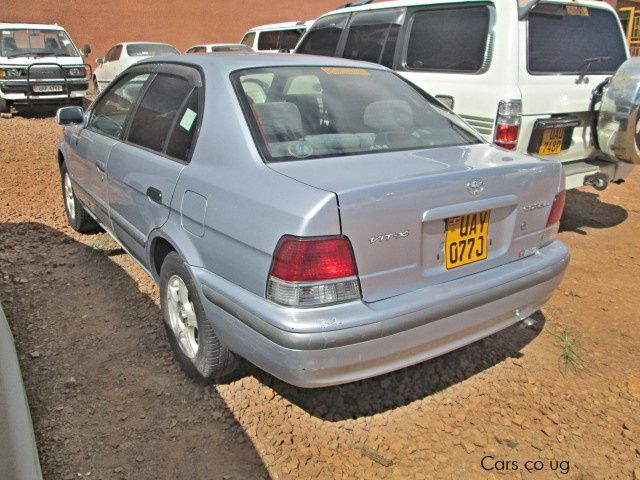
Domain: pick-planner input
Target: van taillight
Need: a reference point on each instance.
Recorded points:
(508, 124)
(557, 208)
(314, 271)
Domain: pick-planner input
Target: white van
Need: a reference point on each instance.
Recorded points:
(522, 72)
(276, 37)
(40, 64)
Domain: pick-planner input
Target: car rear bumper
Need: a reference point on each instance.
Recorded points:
(348, 342)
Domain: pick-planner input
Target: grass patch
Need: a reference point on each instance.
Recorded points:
(570, 359)
(102, 244)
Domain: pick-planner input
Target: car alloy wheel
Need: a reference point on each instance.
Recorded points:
(182, 316)
(69, 199)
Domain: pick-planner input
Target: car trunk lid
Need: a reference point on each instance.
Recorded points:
(394, 207)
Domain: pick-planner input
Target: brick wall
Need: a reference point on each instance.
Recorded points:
(183, 23)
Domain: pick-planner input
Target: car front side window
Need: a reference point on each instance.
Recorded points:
(110, 114)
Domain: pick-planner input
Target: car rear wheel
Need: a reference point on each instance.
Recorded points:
(191, 334)
(77, 216)
(4, 106)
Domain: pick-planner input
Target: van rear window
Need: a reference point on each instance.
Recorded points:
(562, 39)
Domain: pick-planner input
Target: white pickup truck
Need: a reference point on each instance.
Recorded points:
(40, 64)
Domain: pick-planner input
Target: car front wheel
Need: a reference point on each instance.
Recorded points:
(191, 335)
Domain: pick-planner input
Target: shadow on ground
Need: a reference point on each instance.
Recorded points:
(105, 393)
(393, 390)
(585, 209)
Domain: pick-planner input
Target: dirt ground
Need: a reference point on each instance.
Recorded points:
(108, 401)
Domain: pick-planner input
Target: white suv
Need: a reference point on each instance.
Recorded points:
(523, 73)
(276, 37)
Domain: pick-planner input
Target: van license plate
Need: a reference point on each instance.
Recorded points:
(47, 88)
(552, 140)
(465, 240)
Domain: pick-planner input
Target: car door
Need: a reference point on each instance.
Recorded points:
(92, 145)
(143, 170)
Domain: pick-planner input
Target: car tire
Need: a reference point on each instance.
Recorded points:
(191, 334)
(77, 216)
(5, 107)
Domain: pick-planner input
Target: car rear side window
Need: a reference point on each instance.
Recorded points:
(248, 39)
(372, 36)
(289, 39)
(158, 109)
(268, 40)
(181, 140)
(452, 39)
(111, 112)
(324, 35)
(582, 33)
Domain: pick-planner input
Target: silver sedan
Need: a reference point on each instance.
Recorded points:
(322, 218)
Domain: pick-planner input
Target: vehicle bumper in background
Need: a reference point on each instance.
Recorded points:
(343, 343)
(17, 91)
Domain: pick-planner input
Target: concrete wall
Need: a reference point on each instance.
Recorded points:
(183, 23)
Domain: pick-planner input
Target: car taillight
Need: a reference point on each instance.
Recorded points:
(557, 208)
(508, 124)
(310, 272)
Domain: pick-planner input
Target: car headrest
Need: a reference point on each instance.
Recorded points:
(10, 43)
(279, 118)
(388, 115)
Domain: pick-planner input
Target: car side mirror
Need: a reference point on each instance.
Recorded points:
(100, 61)
(86, 49)
(70, 115)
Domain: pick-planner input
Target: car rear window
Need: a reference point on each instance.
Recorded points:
(150, 50)
(324, 35)
(452, 39)
(298, 113)
(563, 37)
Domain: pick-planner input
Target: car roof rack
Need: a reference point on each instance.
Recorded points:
(355, 3)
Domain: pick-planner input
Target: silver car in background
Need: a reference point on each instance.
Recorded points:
(320, 217)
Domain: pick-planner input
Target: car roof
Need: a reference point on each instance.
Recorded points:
(277, 26)
(143, 43)
(228, 62)
(416, 3)
(25, 26)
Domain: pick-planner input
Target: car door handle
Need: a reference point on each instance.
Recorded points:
(100, 168)
(154, 194)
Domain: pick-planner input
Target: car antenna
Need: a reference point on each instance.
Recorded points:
(525, 6)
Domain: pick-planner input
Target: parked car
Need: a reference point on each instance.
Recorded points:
(123, 55)
(19, 459)
(219, 47)
(40, 64)
(322, 218)
(277, 37)
(522, 73)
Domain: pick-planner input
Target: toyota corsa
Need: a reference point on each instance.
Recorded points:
(320, 217)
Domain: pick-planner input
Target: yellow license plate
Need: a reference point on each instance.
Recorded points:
(465, 239)
(552, 140)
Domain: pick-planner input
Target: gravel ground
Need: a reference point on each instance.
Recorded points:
(108, 401)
